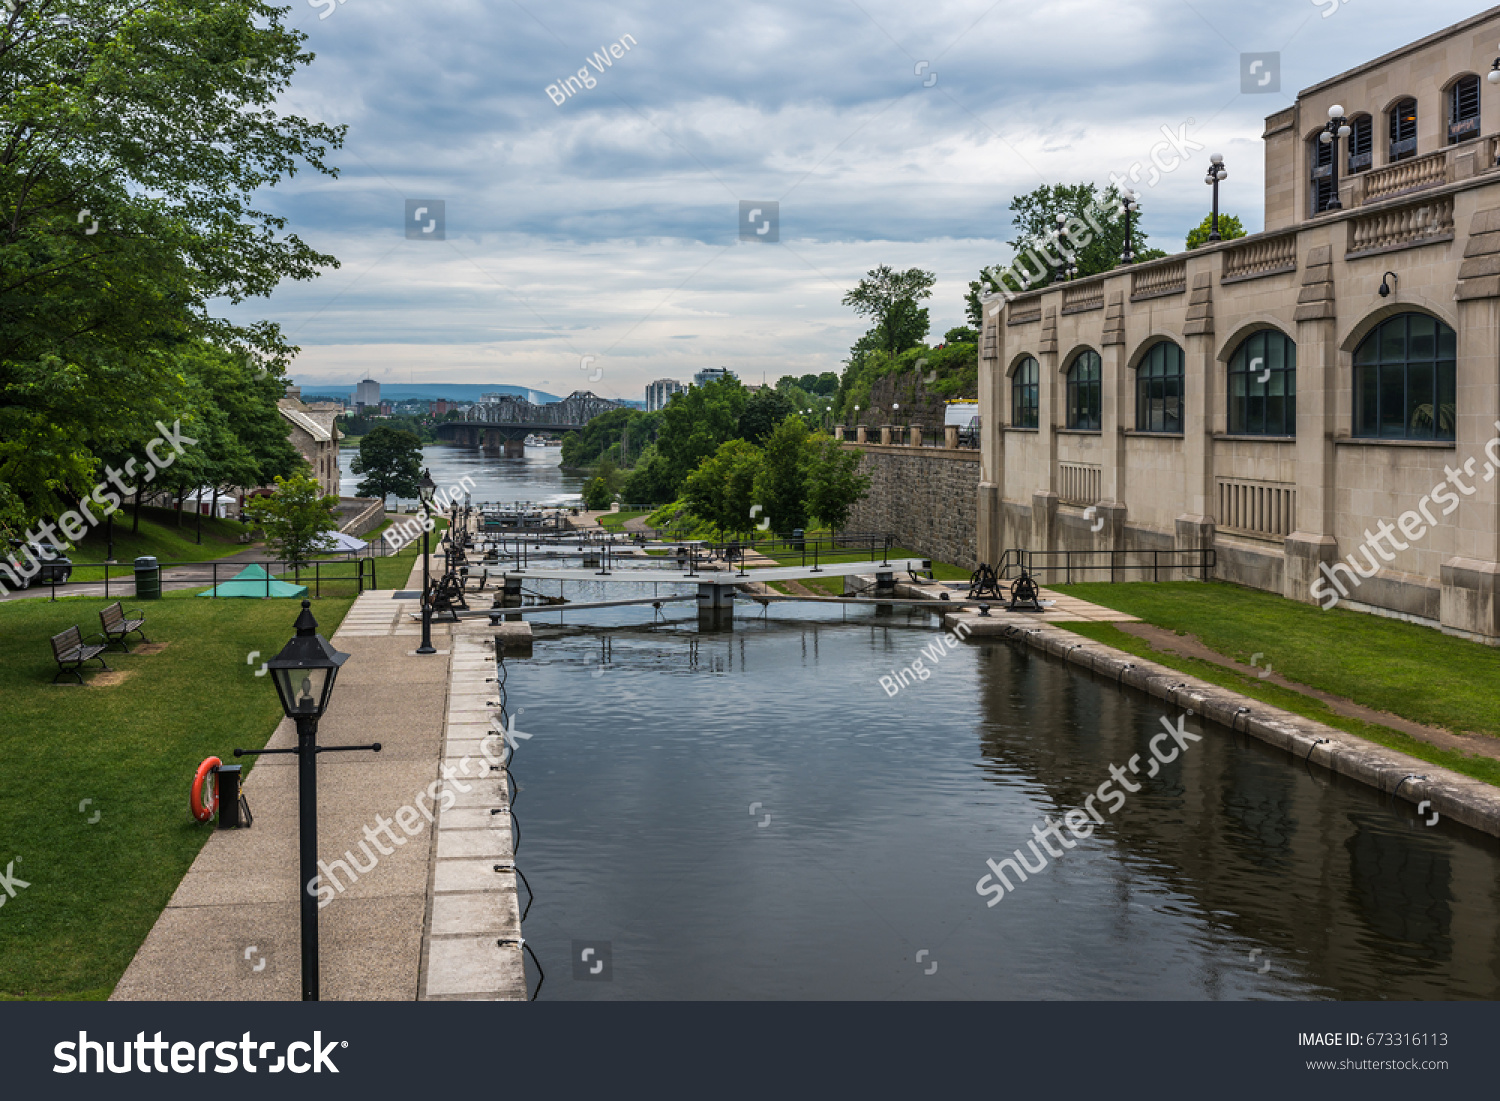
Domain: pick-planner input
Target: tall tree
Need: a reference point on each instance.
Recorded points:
(780, 486)
(834, 481)
(891, 299)
(696, 422)
(391, 461)
(764, 410)
(295, 517)
(722, 489)
(134, 135)
(1036, 252)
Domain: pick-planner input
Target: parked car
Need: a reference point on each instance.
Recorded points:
(55, 570)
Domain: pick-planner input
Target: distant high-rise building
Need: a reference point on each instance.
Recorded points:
(660, 392)
(386, 409)
(712, 374)
(440, 407)
(367, 393)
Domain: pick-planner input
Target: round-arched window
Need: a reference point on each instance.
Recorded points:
(1085, 389)
(1159, 389)
(1025, 393)
(1405, 379)
(1263, 386)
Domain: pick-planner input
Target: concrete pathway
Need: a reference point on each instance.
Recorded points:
(415, 911)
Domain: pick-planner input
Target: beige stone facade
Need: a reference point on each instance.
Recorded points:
(1216, 455)
(315, 435)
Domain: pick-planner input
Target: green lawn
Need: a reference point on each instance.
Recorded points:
(96, 889)
(615, 521)
(1415, 672)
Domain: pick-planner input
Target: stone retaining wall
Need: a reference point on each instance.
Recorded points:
(926, 496)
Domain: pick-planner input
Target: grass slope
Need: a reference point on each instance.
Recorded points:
(96, 889)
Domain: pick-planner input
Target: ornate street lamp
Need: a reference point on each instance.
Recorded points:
(428, 486)
(1128, 206)
(1216, 172)
(304, 674)
(1066, 261)
(1338, 127)
(1494, 73)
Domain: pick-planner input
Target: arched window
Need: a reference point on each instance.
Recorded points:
(1263, 386)
(1025, 393)
(1361, 143)
(1405, 379)
(1463, 110)
(1404, 130)
(1158, 389)
(1084, 390)
(1321, 187)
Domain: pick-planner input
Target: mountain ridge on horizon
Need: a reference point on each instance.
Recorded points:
(426, 391)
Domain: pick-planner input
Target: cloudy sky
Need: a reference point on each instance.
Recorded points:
(607, 226)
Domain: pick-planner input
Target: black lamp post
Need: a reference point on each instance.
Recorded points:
(1129, 206)
(304, 673)
(1064, 260)
(1216, 172)
(1338, 127)
(425, 493)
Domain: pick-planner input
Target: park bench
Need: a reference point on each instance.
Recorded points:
(117, 628)
(447, 595)
(71, 652)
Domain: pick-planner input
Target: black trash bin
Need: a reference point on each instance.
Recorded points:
(147, 579)
(797, 543)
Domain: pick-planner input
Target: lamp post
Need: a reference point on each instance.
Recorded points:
(895, 412)
(1129, 206)
(304, 673)
(856, 415)
(425, 493)
(1216, 173)
(1338, 127)
(1066, 265)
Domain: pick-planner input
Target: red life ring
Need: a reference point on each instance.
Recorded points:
(204, 799)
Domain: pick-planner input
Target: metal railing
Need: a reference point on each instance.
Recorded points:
(223, 571)
(1064, 567)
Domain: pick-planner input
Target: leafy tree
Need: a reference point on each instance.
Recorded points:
(696, 422)
(961, 335)
(722, 489)
(890, 298)
(650, 480)
(827, 384)
(764, 410)
(834, 481)
(780, 485)
(1035, 218)
(1230, 227)
(295, 517)
(134, 138)
(391, 461)
(597, 495)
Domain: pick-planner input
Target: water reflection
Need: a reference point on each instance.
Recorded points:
(650, 748)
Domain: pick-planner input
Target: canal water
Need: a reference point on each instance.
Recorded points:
(536, 477)
(751, 815)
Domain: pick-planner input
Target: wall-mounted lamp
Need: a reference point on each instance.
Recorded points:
(1494, 74)
(1385, 287)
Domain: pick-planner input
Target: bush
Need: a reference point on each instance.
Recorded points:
(597, 495)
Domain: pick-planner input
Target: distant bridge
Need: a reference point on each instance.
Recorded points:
(504, 425)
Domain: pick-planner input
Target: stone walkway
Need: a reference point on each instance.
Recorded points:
(410, 915)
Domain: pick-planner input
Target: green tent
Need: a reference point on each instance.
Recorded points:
(254, 581)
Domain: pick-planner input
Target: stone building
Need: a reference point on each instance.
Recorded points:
(1317, 402)
(315, 435)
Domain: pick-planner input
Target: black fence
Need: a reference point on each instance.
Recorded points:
(1063, 567)
(120, 579)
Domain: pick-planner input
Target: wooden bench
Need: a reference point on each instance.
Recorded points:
(117, 628)
(71, 652)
